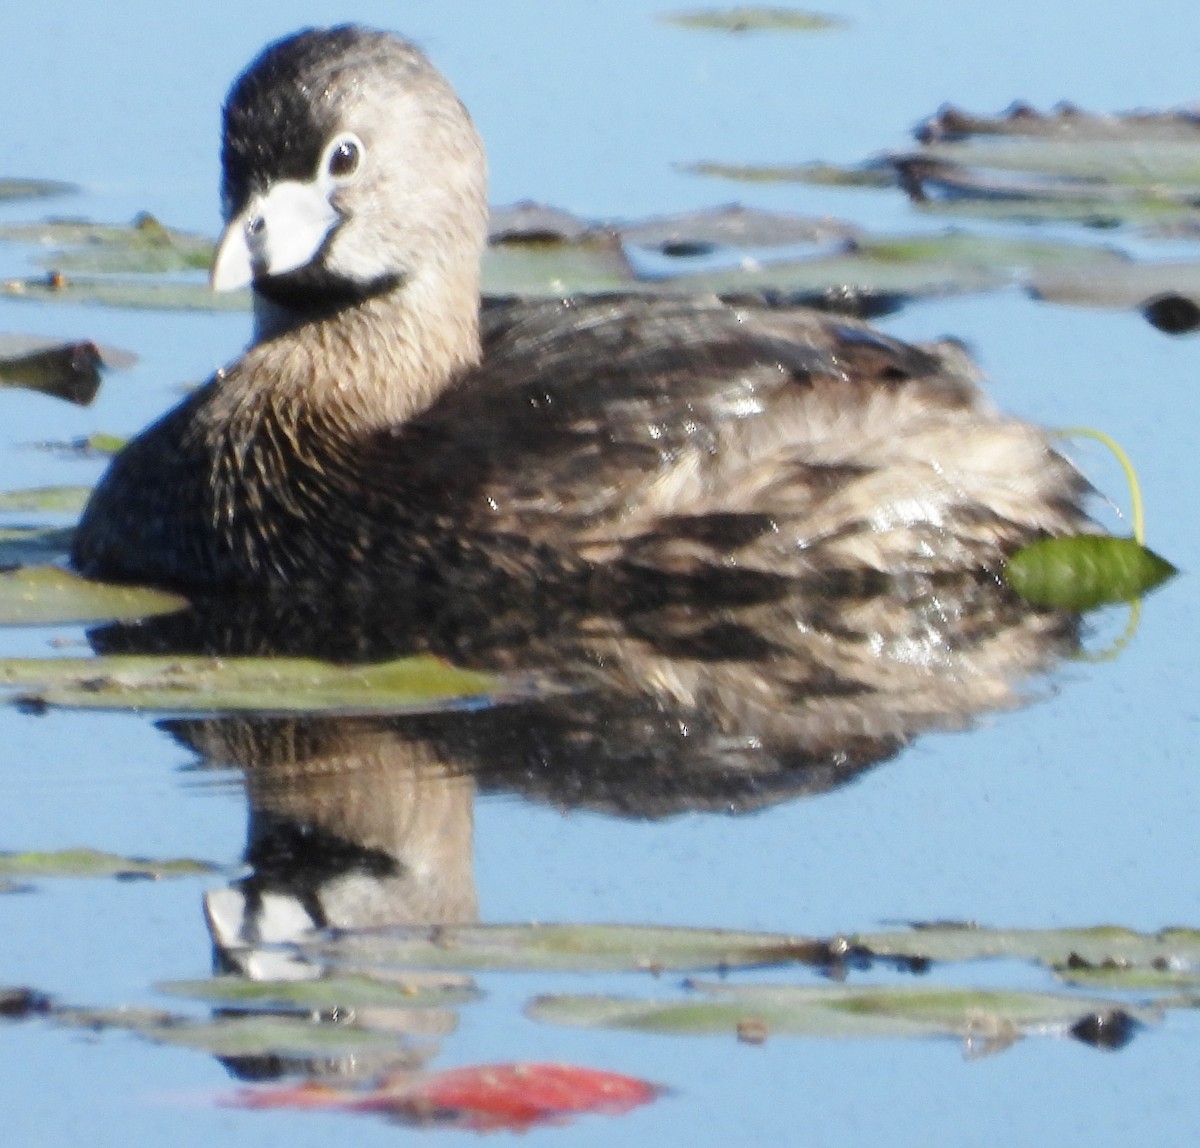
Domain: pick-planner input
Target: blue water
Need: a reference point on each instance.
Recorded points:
(1078, 810)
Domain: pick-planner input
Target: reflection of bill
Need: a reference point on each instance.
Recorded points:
(775, 692)
(347, 830)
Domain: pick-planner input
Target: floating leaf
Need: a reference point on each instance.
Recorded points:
(325, 993)
(237, 1035)
(555, 267)
(909, 265)
(12, 189)
(1085, 571)
(603, 948)
(753, 18)
(1024, 164)
(1131, 978)
(529, 222)
(817, 174)
(99, 443)
(228, 685)
(1063, 121)
(93, 863)
(1056, 947)
(45, 499)
(737, 228)
(144, 294)
(44, 595)
(144, 246)
(578, 948)
(979, 1015)
(540, 252)
(1147, 286)
(485, 1097)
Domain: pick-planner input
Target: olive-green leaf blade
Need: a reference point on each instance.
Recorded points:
(50, 595)
(326, 993)
(1085, 571)
(83, 862)
(573, 948)
(240, 685)
(835, 1011)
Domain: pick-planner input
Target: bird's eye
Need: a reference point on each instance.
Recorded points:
(344, 158)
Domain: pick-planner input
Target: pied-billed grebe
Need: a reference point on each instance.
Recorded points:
(379, 432)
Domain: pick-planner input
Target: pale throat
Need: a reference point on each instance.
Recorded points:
(379, 361)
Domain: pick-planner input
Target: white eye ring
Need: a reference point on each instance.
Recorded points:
(342, 162)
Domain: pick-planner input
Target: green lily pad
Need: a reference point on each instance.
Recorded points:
(1138, 167)
(325, 994)
(630, 948)
(553, 267)
(237, 685)
(753, 18)
(93, 863)
(238, 1035)
(1133, 978)
(996, 1017)
(576, 948)
(1085, 571)
(138, 295)
(144, 246)
(49, 595)
(910, 265)
(46, 499)
(1054, 947)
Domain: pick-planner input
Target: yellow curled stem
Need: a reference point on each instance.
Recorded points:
(1135, 489)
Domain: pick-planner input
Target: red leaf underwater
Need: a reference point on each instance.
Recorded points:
(481, 1098)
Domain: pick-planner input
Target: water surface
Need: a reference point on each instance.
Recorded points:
(1079, 809)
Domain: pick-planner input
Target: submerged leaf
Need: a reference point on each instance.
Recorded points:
(484, 1097)
(1085, 571)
